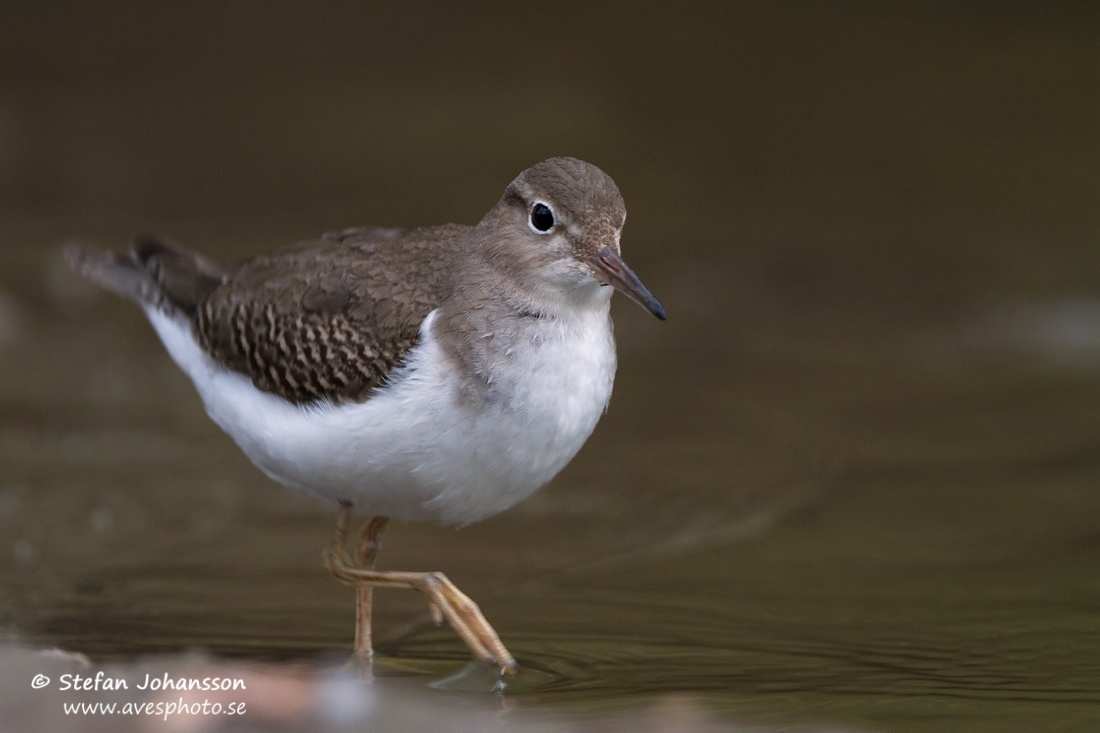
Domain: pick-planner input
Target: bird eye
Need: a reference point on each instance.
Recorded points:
(542, 218)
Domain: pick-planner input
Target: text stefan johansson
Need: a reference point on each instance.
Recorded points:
(102, 682)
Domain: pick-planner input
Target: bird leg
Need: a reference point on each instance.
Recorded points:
(367, 543)
(445, 601)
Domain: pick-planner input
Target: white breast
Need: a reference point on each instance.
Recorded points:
(416, 450)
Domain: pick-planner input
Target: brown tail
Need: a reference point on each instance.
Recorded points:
(155, 272)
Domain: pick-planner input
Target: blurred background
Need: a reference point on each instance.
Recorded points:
(851, 481)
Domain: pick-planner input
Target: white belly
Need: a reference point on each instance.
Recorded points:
(415, 450)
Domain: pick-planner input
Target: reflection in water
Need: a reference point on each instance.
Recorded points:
(1063, 333)
(825, 491)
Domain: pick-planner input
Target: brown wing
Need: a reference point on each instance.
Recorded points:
(329, 319)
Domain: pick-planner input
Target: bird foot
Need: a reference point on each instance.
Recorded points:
(445, 600)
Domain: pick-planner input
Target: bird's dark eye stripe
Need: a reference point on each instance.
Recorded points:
(542, 218)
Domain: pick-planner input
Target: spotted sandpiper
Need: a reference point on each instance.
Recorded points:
(441, 373)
